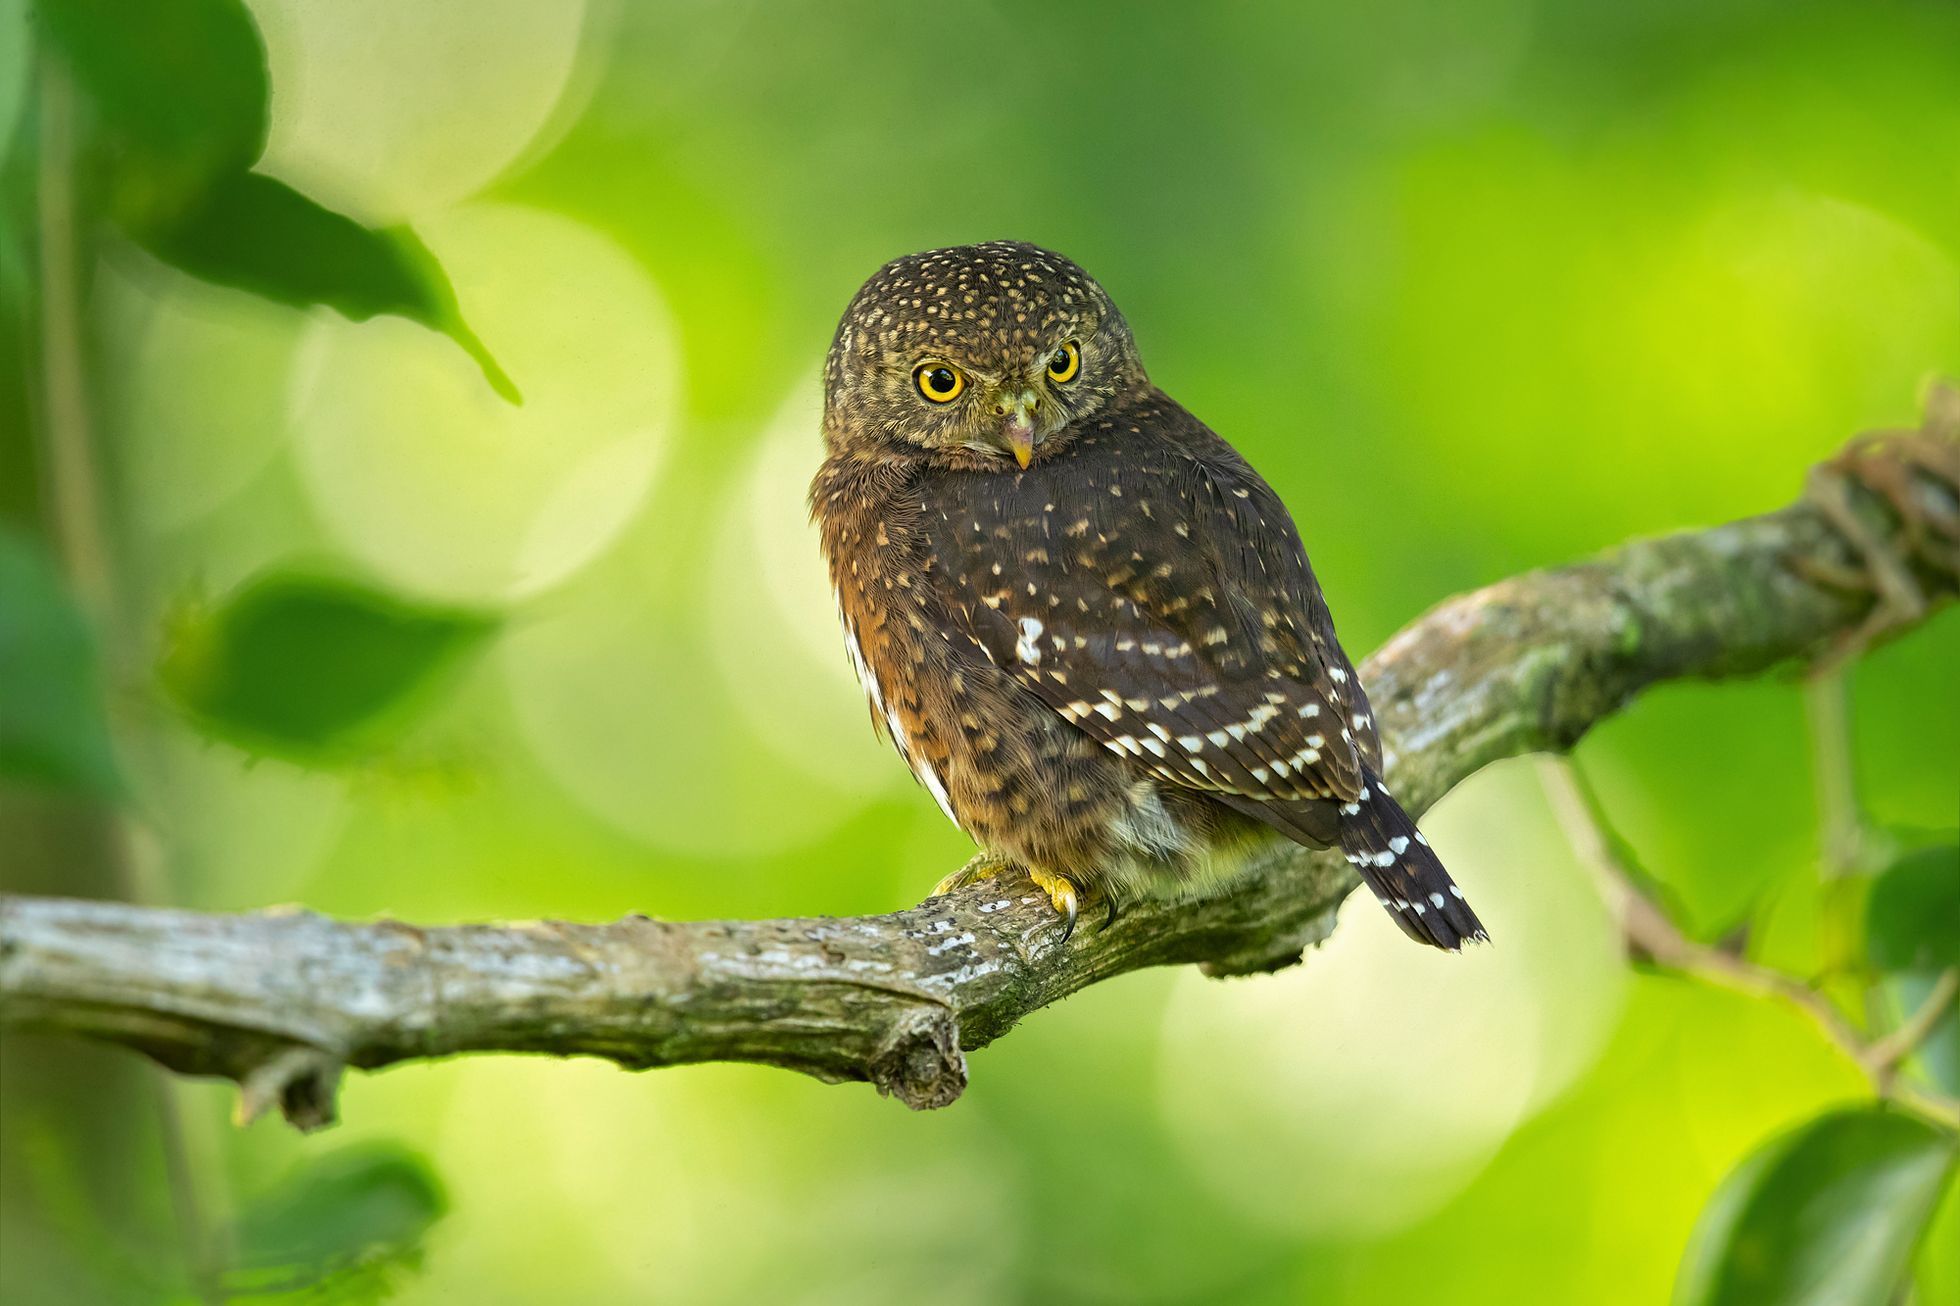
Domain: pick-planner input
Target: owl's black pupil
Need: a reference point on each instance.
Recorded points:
(940, 378)
(1059, 363)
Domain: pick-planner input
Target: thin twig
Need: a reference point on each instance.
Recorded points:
(1653, 936)
(1841, 830)
(1882, 1058)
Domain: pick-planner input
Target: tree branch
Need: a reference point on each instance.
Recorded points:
(281, 1002)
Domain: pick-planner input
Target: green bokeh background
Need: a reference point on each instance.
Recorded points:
(1479, 287)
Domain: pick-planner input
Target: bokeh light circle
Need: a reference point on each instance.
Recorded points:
(777, 642)
(625, 710)
(391, 110)
(201, 407)
(425, 474)
(1360, 1091)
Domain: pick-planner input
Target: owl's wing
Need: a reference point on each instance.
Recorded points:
(1152, 589)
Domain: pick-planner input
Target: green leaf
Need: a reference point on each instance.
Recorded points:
(178, 93)
(336, 1228)
(52, 727)
(314, 668)
(261, 235)
(181, 82)
(1912, 919)
(1827, 1215)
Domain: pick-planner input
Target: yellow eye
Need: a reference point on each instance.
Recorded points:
(938, 382)
(1064, 363)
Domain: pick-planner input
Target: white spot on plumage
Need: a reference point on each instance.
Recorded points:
(1191, 743)
(1437, 900)
(1337, 675)
(1311, 709)
(1399, 844)
(1384, 859)
(1027, 649)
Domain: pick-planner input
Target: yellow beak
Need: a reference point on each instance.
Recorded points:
(1017, 425)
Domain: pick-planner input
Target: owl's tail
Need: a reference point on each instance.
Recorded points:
(1382, 843)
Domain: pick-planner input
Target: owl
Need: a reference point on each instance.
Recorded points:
(1084, 621)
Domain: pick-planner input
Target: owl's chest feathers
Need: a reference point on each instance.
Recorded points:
(988, 751)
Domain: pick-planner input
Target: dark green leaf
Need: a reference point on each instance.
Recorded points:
(335, 1229)
(177, 96)
(1912, 920)
(314, 668)
(177, 82)
(1826, 1215)
(261, 235)
(52, 727)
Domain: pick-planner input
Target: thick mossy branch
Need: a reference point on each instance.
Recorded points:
(282, 1002)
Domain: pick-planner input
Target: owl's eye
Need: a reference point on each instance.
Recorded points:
(1064, 363)
(938, 382)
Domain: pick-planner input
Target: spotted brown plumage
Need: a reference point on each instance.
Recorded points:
(1087, 624)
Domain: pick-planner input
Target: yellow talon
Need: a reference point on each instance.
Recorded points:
(1061, 893)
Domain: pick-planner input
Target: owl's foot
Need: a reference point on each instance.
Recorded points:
(993, 866)
(1060, 892)
(981, 866)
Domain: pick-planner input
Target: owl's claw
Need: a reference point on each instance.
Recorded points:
(1062, 893)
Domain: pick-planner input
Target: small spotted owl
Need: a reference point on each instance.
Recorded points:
(1085, 622)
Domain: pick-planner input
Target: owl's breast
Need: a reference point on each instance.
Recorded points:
(919, 632)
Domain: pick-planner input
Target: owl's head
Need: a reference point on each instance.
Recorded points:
(983, 355)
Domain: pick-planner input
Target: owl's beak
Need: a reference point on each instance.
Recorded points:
(1017, 427)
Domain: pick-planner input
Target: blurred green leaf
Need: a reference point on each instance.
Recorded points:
(1912, 933)
(1826, 1215)
(52, 727)
(314, 668)
(258, 234)
(339, 1227)
(1912, 920)
(180, 83)
(179, 96)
